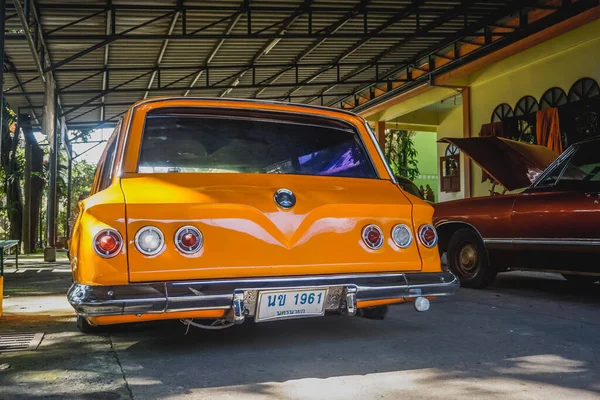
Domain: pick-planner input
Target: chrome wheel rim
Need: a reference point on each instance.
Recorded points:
(467, 260)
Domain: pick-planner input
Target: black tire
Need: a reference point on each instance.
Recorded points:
(581, 279)
(378, 313)
(468, 259)
(84, 326)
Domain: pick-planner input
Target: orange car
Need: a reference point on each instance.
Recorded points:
(217, 211)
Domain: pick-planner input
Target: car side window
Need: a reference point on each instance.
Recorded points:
(106, 174)
(103, 174)
(97, 175)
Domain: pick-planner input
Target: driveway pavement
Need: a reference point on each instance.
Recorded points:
(531, 336)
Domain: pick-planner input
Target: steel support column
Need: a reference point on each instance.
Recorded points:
(25, 123)
(51, 132)
(69, 191)
(2, 25)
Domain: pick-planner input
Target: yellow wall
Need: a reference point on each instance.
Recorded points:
(433, 95)
(451, 125)
(558, 62)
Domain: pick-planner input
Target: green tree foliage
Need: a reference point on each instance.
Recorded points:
(11, 161)
(401, 153)
(81, 183)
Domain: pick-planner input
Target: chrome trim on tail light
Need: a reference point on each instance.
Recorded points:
(422, 230)
(410, 236)
(365, 234)
(140, 232)
(189, 249)
(111, 232)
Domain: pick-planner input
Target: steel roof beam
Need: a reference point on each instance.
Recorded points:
(408, 10)
(216, 67)
(30, 41)
(468, 30)
(118, 89)
(234, 20)
(106, 39)
(314, 8)
(560, 15)
(285, 25)
(128, 103)
(110, 16)
(360, 7)
(214, 36)
(451, 14)
(101, 94)
(12, 70)
(163, 49)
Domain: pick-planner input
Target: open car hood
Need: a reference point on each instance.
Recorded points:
(513, 164)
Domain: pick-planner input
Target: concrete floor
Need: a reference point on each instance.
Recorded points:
(530, 336)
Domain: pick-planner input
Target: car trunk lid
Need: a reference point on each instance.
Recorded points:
(246, 234)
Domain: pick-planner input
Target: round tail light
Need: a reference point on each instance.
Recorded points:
(428, 236)
(108, 243)
(402, 236)
(372, 236)
(149, 240)
(188, 239)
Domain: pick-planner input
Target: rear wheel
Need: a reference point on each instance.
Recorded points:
(374, 312)
(581, 279)
(468, 259)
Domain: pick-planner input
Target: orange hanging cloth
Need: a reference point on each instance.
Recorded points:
(547, 129)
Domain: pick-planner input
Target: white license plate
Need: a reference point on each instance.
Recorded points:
(293, 303)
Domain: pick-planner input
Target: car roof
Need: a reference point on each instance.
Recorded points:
(255, 101)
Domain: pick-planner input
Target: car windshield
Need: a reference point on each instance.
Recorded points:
(583, 168)
(216, 144)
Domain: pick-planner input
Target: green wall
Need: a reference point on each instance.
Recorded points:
(426, 146)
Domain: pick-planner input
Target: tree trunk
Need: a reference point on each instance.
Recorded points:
(37, 183)
(13, 188)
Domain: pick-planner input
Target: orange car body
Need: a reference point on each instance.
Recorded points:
(249, 241)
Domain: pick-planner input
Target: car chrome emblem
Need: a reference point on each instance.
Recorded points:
(285, 198)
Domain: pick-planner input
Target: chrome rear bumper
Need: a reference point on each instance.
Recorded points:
(241, 294)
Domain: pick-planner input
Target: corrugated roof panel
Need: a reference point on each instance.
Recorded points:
(437, 19)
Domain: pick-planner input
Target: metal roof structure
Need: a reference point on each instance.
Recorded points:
(106, 54)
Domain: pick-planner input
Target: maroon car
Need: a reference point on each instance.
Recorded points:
(552, 225)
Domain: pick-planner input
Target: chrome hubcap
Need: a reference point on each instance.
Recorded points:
(468, 260)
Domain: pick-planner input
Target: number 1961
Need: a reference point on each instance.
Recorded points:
(307, 298)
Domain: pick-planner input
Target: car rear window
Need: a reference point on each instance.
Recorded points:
(216, 144)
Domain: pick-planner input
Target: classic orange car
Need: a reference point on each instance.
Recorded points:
(217, 211)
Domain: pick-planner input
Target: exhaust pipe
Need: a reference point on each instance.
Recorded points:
(421, 304)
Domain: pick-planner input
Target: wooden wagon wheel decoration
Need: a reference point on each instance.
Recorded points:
(526, 105)
(501, 112)
(553, 97)
(586, 124)
(584, 88)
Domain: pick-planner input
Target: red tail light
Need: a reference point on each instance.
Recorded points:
(108, 243)
(188, 239)
(428, 236)
(372, 236)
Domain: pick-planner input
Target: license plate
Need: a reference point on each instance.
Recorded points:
(286, 304)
